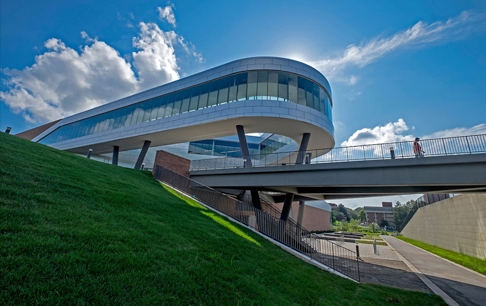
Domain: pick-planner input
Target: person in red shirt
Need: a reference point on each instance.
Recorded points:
(417, 149)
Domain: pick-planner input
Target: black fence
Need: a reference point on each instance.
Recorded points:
(472, 144)
(289, 233)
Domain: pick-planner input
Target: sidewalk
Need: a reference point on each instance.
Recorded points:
(462, 285)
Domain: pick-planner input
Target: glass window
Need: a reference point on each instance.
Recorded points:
(293, 89)
(194, 98)
(223, 90)
(302, 91)
(141, 113)
(283, 86)
(155, 108)
(241, 81)
(262, 92)
(315, 95)
(147, 109)
(273, 85)
(203, 97)
(252, 85)
(162, 105)
(309, 93)
(130, 111)
(322, 100)
(135, 115)
(232, 89)
(176, 109)
(186, 98)
(213, 93)
(170, 105)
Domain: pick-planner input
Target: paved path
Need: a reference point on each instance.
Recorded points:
(461, 284)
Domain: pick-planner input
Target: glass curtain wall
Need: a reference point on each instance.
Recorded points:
(253, 85)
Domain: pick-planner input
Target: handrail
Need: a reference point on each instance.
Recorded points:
(290, 234)
(471, 144)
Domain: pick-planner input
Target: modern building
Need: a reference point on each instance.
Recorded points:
(278, 98)
(376, 214)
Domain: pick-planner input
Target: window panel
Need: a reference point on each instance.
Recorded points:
(302, 91)
(176, 109)
(186, 98)
(155, 108)
(170, 105)
(293, 88)
(203, 97)
(120, 114)
(194, 98)
(273, 85)
(135, 114)
(161, 108)
(309, 93)
(130, 113)
(252, 85)
(242, 81)
(315, 95)
(322, 101)
(232, 89)
(213, 93)
(283, 86)
(262, 91)
(223, 91)
(147, 109)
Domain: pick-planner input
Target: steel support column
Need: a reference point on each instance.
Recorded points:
(289, 198)
(141, 157)
(116, 151)
(302, 149)
(300, 216)
(244, 146)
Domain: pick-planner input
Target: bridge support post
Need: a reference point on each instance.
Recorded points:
(255, 198)
(244, 146)
(289, 198)
(302, 149)
(300, 216)
(116, 151)
(141, 157)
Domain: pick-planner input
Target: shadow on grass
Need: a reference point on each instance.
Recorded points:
(217, 218)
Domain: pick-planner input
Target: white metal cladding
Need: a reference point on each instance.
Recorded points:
(255, 108)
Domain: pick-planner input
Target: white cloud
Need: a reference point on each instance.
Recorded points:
(418, 35)
(167, 13)
(390, 132)
(462, 131)
(63, 81)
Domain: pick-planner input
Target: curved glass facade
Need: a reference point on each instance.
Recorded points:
(252, 85)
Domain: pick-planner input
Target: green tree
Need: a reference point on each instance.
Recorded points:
(354, 225)
(333, 217)
(383, 223)
(340, 216)
(362, 215)
(400, 212)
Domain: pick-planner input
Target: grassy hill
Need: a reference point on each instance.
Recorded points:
(77, 231)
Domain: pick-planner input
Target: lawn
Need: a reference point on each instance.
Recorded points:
(473, 263)
(77, 231)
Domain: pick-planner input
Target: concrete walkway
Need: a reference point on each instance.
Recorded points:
(462, 285)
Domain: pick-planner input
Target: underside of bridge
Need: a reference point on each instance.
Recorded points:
(442, 174)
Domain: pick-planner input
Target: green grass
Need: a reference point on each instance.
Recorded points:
(77, 231)
(473, 263)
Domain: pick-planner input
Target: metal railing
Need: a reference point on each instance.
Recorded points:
(472, 144)
(290, 234)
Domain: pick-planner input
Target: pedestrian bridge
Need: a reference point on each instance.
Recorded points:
(451, 165)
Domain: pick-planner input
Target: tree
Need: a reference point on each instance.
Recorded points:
(340, 216)
(351, 214)
(400, 212)
(354, 225)
(362, 215)
(333, 217)
(383, 223)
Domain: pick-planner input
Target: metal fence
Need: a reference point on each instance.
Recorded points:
(290, 234)
(394, 150)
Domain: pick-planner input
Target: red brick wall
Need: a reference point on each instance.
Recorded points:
(314, 219)
(172, 162)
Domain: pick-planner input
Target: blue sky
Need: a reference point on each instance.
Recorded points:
(398, 69)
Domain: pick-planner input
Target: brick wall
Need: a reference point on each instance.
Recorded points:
(172, 162)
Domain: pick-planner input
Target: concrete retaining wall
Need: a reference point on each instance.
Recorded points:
(457, 224)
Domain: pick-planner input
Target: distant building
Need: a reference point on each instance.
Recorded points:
(376, 214)
(333, 206)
